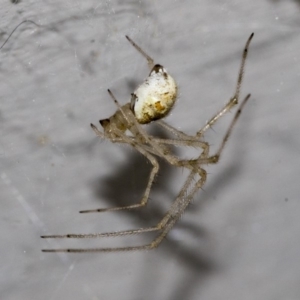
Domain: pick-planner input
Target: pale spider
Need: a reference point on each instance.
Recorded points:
(152, 101)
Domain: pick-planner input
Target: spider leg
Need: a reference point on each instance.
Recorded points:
(100, 235)
(215, 158)
(193, 141)
(234, 100)
(80, 250)
(179, 206)
(153, 173)
(173, 130)
(97, 131)
(139, 49)
(233, 122)
(186, 143)
(170, 158)
(168, 221)
(118, 105)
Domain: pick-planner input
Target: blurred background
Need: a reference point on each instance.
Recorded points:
(240, 237)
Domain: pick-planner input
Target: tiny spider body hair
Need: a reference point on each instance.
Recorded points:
(150, 102)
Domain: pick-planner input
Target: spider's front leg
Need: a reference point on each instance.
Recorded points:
(235, 99)
(139, 49)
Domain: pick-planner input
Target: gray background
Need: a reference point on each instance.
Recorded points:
(239, 239)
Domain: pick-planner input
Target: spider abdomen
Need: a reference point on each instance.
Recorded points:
(155, 97)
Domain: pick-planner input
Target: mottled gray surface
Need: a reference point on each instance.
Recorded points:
(239, 239)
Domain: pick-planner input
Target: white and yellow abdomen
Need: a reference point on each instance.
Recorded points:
(155, 97)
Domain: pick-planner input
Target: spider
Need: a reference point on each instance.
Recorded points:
(150, 102)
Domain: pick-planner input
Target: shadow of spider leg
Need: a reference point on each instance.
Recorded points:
(184, 198)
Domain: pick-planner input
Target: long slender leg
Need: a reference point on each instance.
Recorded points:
(204, 158)
(139, 49)
(233, 122)
(186, 143)
(215, 158)
(234, 100)
(159, 225)
(170, 158)
(173, 130)
(176, 210)
(190, 141)
(153, 173)
(101, 235)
